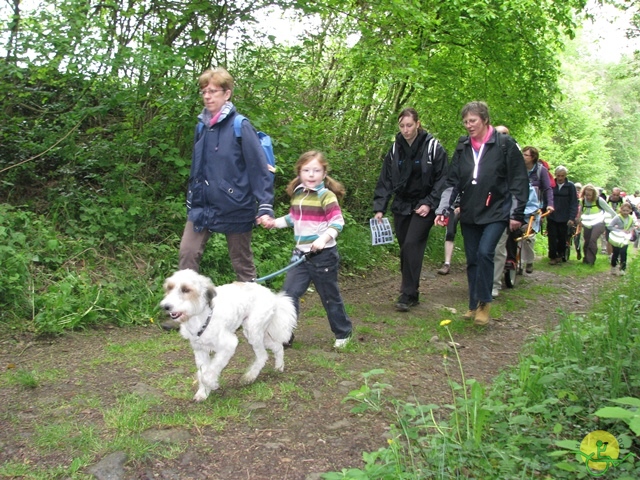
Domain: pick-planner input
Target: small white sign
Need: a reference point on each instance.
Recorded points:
(381, 232)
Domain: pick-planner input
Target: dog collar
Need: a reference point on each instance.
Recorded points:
(206, 324)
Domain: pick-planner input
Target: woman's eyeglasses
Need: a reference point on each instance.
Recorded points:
(210, 91)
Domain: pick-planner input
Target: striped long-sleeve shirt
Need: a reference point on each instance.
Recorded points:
(313, 213)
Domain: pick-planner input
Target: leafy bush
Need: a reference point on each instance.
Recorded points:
(14, 261)
(92, 269)
(28, 244)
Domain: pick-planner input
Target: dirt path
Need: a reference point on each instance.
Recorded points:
(297, 435)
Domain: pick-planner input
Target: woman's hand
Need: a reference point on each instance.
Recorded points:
(378, 216)
(423, 210)
(266, 221)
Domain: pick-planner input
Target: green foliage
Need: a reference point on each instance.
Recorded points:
(554, 397)
(54, 282)
(354, 244)
(69, 303)
(368, 397)
(622, 90)
(15, 262)
(630, 416)
(592, 128)
(101, 103)
(114, 92)
(76, 278)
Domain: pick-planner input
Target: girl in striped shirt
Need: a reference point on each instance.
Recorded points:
(317, 220)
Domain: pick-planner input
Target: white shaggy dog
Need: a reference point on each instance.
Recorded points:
(209, 317)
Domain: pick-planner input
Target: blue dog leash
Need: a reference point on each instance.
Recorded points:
(302, 258)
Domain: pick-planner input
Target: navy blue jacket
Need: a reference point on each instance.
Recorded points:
(229, 184)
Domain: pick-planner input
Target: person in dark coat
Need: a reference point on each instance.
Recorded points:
(488, 172)
(564, 216)
(413, 173)
(230, 186)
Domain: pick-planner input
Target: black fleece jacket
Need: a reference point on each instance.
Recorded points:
(501, 190)
(425, 182)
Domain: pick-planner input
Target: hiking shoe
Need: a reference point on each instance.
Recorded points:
(614, 271)
(529, 268)
(622, 272)
(470, 315)
(289, 343)
(405, 302)
(554, 261)
(495, 292)
(482, 314)
(444, 270)
(341, 342)
(169, 325)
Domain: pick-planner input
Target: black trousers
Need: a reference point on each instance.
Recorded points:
(412, 232)
(557, 235)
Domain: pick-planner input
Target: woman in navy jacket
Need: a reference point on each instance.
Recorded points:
(488, 172)
(230, 186)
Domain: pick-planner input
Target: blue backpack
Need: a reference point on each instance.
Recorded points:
(265, 140)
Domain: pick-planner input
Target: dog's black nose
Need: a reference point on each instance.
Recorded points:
(167, 307)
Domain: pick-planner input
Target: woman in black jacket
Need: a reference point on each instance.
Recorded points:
(488, 172)
(413, 172)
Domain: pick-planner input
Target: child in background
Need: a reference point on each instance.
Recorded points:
(621, 228)
(317, 220)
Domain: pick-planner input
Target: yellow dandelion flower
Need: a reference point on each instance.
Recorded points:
(444, 323)
(151, 320)
(390, 441)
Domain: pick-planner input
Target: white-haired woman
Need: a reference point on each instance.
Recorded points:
(563, 217)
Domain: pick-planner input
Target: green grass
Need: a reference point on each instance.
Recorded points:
(130, 414)
(327, 362)
(178, 385)
(24, 378)
(67, 435)
(31, 378)
(529, 424)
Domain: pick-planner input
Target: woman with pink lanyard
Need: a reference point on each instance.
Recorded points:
(488, 172)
